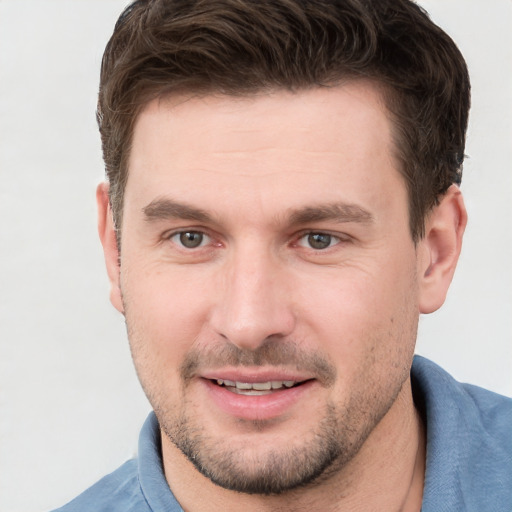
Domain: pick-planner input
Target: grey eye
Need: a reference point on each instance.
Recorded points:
(190, 239)
(319, 240)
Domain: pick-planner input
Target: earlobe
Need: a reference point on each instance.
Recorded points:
(440, 249)
(107, 232)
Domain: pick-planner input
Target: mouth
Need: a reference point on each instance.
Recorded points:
(248, 395)
(256, 388)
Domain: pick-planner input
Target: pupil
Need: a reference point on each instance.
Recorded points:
(319, 240)
(191, 239)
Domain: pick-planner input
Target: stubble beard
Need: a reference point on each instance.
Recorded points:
(316, 458)
(309, 461)
(267, 472)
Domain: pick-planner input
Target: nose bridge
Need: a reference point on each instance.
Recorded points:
(253, 304)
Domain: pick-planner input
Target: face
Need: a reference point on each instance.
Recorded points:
(268, 279)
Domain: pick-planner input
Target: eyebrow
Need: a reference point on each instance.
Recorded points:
(163, 209)
(339, 212)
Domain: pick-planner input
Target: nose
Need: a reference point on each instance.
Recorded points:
(254, 304)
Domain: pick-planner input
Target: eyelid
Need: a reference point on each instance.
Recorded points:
(212, 239)
(206, 239)
(339, 238)
(168, 236)
(333, 238)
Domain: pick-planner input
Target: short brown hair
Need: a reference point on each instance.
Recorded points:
(239, 47)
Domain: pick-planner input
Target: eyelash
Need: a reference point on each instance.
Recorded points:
(332, 240)
(176, 237)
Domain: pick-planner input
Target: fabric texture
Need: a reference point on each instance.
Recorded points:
(469, 454)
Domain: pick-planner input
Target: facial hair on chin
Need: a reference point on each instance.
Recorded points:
(329, 447)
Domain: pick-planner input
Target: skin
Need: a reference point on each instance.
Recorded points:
(252, 179)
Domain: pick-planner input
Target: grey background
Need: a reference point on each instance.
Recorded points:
(70, 403)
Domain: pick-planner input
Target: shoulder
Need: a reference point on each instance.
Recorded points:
(139, 485)
(440, 391)
(495, 410)
(118, 491)
(469, 442)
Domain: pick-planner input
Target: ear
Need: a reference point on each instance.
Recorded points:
(108, 239)
(440, 249)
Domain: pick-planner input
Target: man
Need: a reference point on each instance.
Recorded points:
(282, 203)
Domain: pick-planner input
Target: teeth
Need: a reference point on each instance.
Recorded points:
(224, 382)
(257, 386)
(262, 386)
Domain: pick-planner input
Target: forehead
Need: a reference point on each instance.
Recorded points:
(278, 148)
(327, 110)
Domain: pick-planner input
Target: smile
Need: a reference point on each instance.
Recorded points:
(257, 397)
(256, 388)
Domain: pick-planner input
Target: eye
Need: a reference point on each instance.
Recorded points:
(318, 241)
(190, 239)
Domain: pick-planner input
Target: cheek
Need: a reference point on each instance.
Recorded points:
(165, 313)
(364, 318)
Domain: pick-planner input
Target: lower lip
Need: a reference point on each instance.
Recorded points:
(259, 407)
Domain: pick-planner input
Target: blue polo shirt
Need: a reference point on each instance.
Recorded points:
(468, 468)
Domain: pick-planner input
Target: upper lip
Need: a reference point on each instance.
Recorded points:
(254, 376)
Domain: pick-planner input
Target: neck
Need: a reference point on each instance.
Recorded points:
(387, 474)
